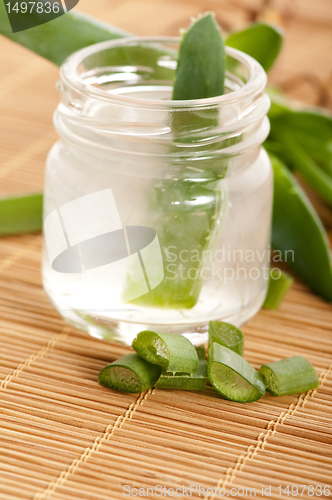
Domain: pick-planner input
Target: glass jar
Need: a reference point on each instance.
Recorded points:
(157, 212)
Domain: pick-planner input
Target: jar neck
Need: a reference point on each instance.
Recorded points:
(113, 110)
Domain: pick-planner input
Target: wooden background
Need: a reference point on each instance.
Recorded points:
(64, 437)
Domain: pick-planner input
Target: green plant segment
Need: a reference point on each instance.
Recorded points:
(131, 373)
(279, 283)
(232, 376)
(289, 376)
(227, 335)
(176, 209)
(183, 381)
(21, 214)
(302, 139)
(185, 211)
(200, 352)
(201, 61)
(305, 137)
(261, 41)
(174, 353)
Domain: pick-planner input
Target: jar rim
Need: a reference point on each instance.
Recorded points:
(70, 75)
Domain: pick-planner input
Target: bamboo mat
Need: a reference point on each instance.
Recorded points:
(64, 437)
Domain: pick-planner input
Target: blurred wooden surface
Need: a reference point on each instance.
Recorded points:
(64, 437)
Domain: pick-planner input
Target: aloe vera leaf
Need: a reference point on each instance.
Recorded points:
(57, 39)
(73, 31)
(185, 212)
(21, 214)
(296, 227)
(279, 102)
(302, 139)
(279, 284)
(201, 61)
(312, 129)
(306, 147)
(301, 162)
(261, 41)
(304, 119)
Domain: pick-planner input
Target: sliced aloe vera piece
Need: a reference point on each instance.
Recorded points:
(174, 353)
(186, 216)
(232, 376)
(227, 335)
(289, 376)
(130, 373)
(279, 283)
(183, 381)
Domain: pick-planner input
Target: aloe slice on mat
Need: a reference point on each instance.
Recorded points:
(227, 335)
(183, 381)
(232, 376)
(289, 376)
(130, 373)
(174, 353)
